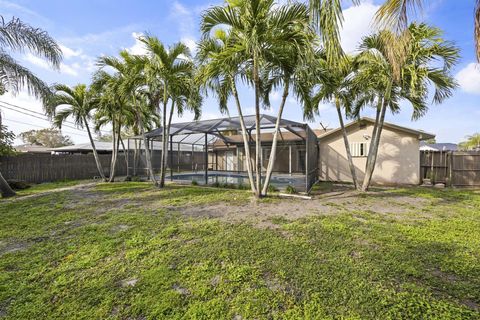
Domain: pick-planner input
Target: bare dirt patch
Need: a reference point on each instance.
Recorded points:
(262, 214)
(13, 246)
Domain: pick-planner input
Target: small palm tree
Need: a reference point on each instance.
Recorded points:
(79, 103)
(420, 68)
(472, 142)
(16, 36)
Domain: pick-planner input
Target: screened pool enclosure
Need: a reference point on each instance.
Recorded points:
(210, 151)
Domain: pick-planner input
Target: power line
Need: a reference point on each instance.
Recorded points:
(41, 127)
(41, 114)
(37, 117)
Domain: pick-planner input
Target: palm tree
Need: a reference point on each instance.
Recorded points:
(335, 87)
(169, 72)
(472, 142)
(79, 102)
(110, 110)
(261, 38)
(420, 68)
(16, 36)
(220, 76)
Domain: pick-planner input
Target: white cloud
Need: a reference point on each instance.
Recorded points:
(357, 24)
(138, 47)
(10, 9)
(184, 17)
(37, 61)
(469, 78)
(71, 70)
(69, 53)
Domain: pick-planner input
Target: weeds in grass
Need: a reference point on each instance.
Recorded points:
(124, 250)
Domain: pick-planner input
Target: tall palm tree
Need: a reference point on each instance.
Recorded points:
(170, 70)
(261, 36)
(16, 36)
(220, 76)
(110, 110)
(79, 102)
(429, 61)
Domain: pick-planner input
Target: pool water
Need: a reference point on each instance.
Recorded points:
(280, 182)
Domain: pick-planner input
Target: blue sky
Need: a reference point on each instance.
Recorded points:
(88, 29)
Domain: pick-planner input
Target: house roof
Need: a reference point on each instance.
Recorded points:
(438, 146)
(422, 135)
(32, 148)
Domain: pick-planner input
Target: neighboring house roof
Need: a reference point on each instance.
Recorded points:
(438, 146)
(85, 147)
(32, 148)
(102, 146)
(422, 135)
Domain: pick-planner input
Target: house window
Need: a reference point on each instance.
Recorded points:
(359, 149)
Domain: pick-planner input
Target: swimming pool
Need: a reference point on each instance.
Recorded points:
(279, 181)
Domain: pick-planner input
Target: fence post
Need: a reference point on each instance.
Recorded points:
(450, 169)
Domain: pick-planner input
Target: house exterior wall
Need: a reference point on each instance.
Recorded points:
(218, 158)
(398, 160)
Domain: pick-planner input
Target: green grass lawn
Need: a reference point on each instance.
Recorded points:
(130, 251)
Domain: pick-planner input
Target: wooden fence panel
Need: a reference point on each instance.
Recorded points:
(466, 168)
(39, 168)
(456, 168)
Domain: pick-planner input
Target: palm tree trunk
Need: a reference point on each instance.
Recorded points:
(371, 161)
(347, 145)
(135, 157)
(164, 141)
(125, 155)
(5, 188)
(273, 151)
(246, 143)
(112, 159)
(258, 140)
(167, 134)
(148, 158)
(95, 153)
(117, 146)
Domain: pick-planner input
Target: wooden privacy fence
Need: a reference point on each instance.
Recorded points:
(456, 168)
(39, 168)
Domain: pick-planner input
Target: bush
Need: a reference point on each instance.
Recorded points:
(271, 188)
(18, 184)
(194, 183)
(290, 189)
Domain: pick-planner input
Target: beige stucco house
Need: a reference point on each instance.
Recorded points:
(398, 160)
(320, 152)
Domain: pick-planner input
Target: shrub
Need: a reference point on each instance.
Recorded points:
(290, 189)
(272, 188)
(194, 182)
(18, 184)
